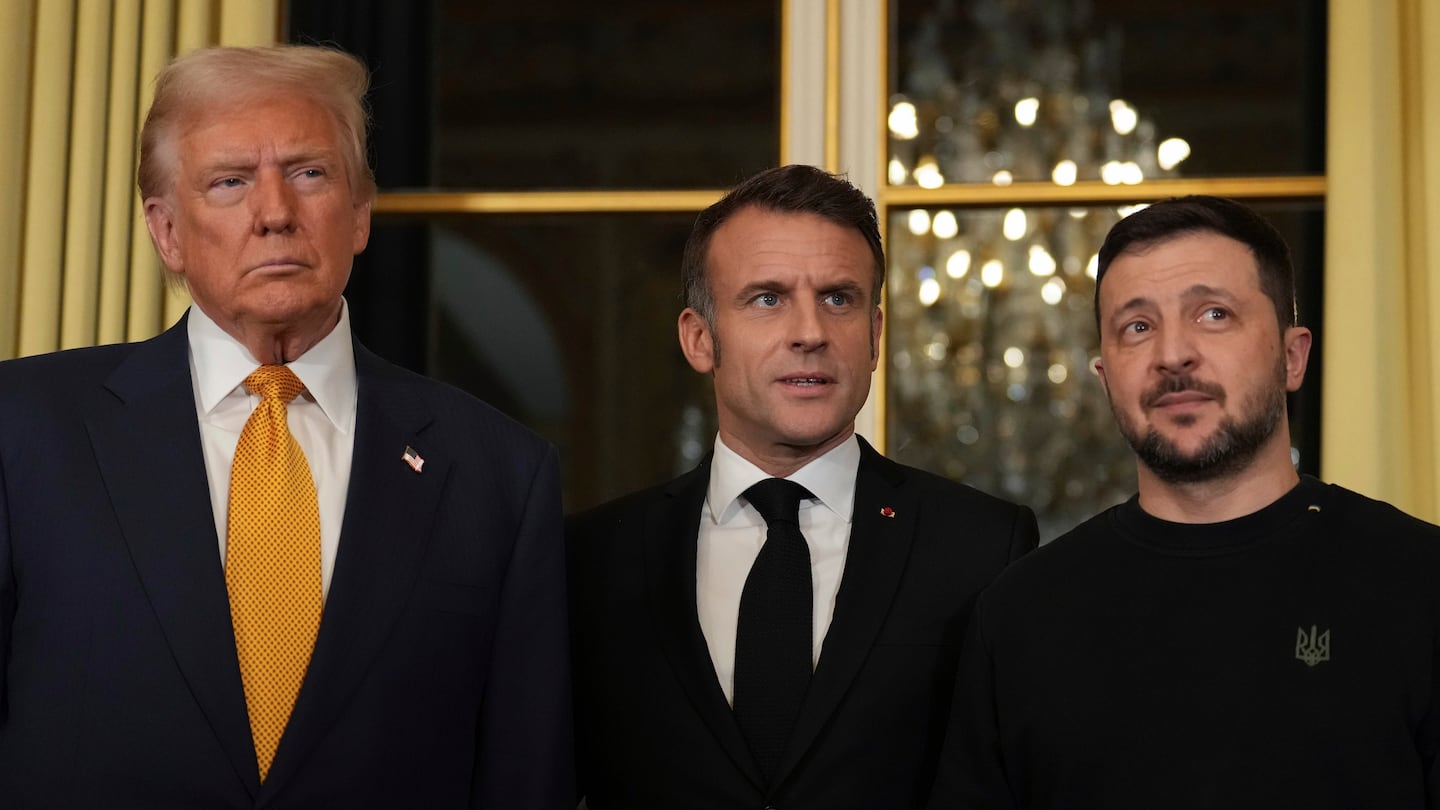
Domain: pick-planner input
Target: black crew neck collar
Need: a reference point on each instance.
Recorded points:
(1137, 525)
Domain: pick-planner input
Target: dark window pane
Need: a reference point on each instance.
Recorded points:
(1017, 88)
(567, 323)
(564, 94)
(992, 345)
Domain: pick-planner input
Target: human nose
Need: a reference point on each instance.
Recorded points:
(1176, 352)
(807, 328)
(274, 204)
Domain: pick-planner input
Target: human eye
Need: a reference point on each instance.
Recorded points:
(1214, 314)
(767, 300)
(1135, 328)
(230, 181)
(839, 298)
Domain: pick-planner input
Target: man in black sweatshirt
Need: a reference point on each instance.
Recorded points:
(1236, 635)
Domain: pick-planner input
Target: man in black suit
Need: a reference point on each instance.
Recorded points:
(216, 592)
(742, 640)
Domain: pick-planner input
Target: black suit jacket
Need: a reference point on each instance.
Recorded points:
(439, 676)
(653, 727)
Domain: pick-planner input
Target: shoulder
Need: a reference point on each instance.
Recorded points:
(55, 380)
(1376, 521)
(618, 515)
(460, 416)
(1076, 557)
(934, 488)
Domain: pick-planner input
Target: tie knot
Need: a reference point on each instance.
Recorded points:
(777, 500)
(274, 382)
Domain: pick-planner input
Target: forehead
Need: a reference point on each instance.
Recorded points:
(1166, 270)
(284, 122)
(755, 242)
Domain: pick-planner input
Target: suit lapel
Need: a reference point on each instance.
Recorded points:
(879, 548)
(389, 509)
(671, 533)
(147, 446)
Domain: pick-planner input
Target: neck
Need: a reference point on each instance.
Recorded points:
(1264, 481)
(278, 344)
(782, 460)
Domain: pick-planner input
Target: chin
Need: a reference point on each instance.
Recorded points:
(812, 437)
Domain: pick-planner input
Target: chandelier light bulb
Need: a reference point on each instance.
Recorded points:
(1041, 262)
(1026, 110)
(1171, 152)
(958, 264)
(896, 172)
(904, 123)
(927, 174)
(1052, 292)
(1015, 225)
(944, 225)
(929, 291)
(919, 222)
(1065, 173)
(1123, 116)
(992, 273)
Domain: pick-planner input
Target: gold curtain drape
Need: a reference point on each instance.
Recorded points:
(1381, 431)
(76, 266)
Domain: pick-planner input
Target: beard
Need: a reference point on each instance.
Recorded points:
(1230, 449)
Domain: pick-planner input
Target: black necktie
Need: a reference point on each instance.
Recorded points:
(775, 631)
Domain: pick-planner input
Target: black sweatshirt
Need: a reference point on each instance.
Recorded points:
(1283, 659)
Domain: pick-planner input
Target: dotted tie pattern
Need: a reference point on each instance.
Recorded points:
(272, 560)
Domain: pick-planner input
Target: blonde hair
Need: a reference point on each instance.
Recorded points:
(226, 76)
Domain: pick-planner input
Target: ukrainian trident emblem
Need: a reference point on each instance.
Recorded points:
(1312, 647)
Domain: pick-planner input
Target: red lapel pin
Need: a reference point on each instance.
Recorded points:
(887, 511)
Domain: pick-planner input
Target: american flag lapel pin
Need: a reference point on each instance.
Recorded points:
(412, 458)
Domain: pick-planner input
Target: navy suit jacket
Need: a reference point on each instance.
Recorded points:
(653, 727)
(439, 677)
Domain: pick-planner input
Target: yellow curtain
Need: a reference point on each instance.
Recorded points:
(76, 266)
(16, 27)
(1381, 432)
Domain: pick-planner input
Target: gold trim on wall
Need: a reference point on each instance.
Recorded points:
(543, 202)
(785, 58)
(832, 86)
(881, 429)
(1307, 187)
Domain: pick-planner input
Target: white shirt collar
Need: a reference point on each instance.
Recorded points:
(830, 478)
(219, 364)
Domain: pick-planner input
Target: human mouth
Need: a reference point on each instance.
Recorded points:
(1182, 391)
(1182, 398)
(806, 380)
(282, 262)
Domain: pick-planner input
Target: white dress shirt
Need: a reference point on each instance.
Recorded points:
(321, 418)
(732, 532)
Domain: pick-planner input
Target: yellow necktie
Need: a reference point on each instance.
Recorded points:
(272, 560)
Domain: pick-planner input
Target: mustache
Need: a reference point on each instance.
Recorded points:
(1179, 384)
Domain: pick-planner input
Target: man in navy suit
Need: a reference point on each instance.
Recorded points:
(731, 656)
(437, 673)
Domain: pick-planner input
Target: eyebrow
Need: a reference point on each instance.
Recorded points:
(756, 287)
(240, 161)
(1190, 293)
(842, 286)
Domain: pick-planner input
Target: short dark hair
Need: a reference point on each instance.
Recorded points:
(1200, 213)
(797, 189)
